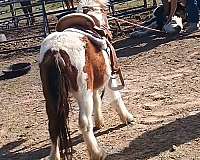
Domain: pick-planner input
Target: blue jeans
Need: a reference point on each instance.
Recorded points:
(192, 7)
(160, 17)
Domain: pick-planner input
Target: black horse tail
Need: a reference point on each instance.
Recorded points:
(63, 108)
(58, 86)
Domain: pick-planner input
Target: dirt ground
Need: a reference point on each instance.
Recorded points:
(162, 91)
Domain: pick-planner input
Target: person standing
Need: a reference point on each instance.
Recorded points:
(28, 11)
(192, 12)
(68, 2)
(192, 15)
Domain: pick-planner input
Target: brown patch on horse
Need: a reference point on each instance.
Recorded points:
(95, 65)
(70, 71)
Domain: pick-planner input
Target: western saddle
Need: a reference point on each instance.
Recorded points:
(86, 23)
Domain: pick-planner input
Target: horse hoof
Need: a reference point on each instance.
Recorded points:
(131, 122)
(130, 119)
(98, 126)
(52, 158)
(103, 157)
(96, 129)
(100, 156)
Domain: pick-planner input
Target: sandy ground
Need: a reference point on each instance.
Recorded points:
(162, 91)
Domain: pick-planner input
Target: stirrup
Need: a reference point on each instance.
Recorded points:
(114, 76)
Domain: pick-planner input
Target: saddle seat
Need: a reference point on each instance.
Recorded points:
(81, 21)
(73, 20)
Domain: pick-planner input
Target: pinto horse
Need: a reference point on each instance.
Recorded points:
(76, 60)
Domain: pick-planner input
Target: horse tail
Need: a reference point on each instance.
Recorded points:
(63, 108)
(58, 85)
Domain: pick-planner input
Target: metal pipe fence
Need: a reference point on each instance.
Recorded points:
(20, 29)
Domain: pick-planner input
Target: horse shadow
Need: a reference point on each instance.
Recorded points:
(147, 145)
(133, 46)
(9, 151)
(154, 142)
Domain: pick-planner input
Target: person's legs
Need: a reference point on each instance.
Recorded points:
(198, 4)
(192, 15)
(161, 17)
(192, 10)
(27, 9)
(67, 4)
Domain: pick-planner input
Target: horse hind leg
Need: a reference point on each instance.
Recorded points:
(86, 126)
(97, 110)
(54, 133)
(117, 102)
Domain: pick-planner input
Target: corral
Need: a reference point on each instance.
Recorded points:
(162, 90)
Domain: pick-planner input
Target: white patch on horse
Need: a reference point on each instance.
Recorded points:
(118, 103)
(70, 42)
(55, 153)
(92, 3)
(99, 41)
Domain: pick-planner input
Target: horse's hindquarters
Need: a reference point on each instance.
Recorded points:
(71, 61)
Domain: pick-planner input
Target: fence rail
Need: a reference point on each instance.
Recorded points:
(15, 24)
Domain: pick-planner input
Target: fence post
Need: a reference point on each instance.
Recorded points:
(45, 19)
(154, 3)
(145, 3)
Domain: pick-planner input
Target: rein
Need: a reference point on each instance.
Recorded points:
(137, 25)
